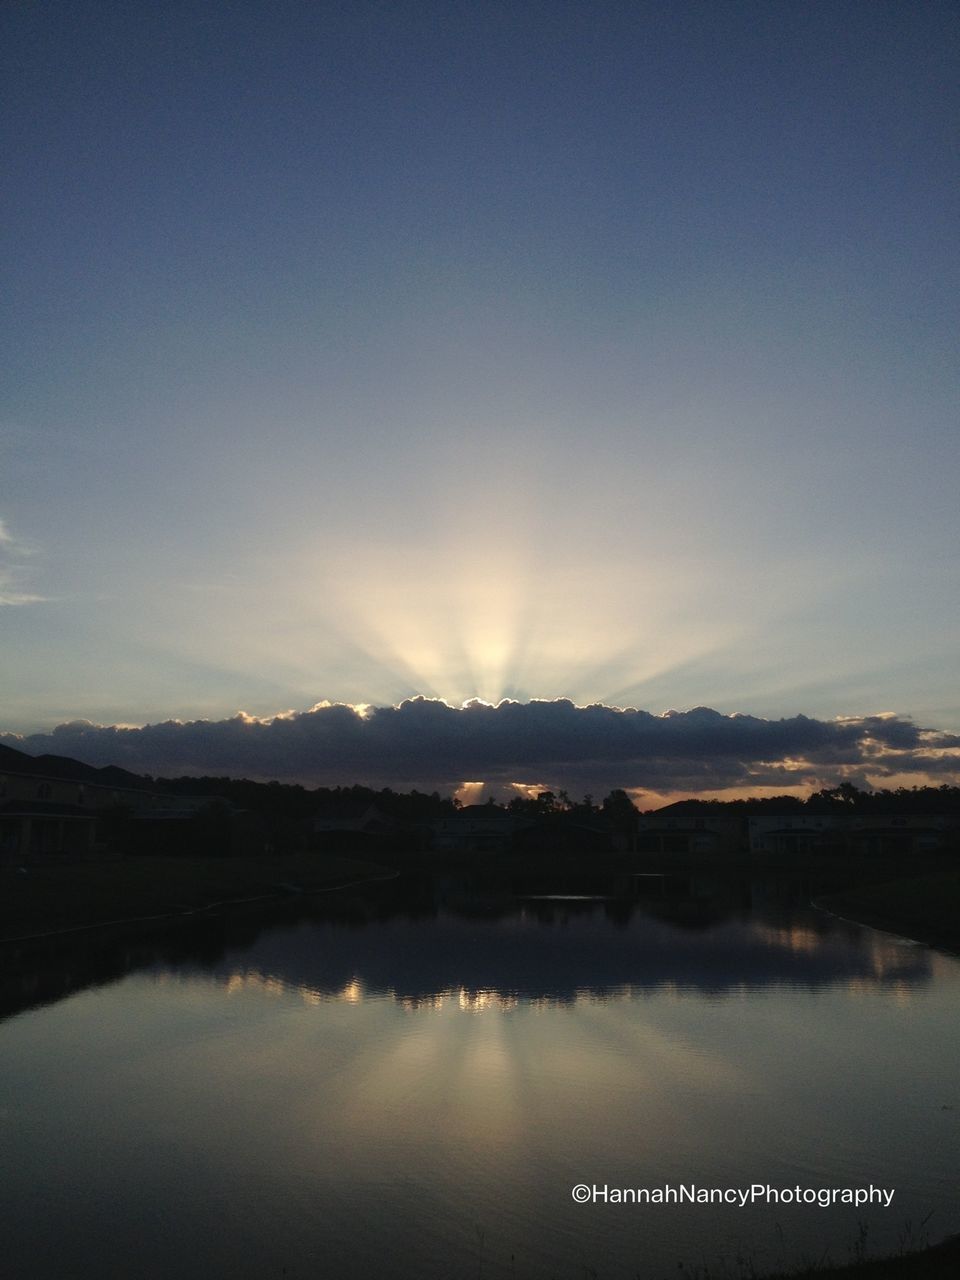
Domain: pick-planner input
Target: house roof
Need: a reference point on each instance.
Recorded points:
(483, 811)
(44, 809)
(65, 769)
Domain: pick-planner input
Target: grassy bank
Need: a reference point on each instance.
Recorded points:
(939, 1262)
(47, 899)
(923, 907)
(933, 1262)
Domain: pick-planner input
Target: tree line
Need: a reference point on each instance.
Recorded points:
(292, 800)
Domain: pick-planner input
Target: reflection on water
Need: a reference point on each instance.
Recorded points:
(409, 1083)
(714, 936)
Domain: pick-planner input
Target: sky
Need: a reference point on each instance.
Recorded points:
(358, 353)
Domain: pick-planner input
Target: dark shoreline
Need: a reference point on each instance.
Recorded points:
(56, 901)
(935, 1262)
(922, 909)
(919, 902)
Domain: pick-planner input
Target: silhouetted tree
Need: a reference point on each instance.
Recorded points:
(618, 805)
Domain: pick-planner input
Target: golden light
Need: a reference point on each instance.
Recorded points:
(486, 622)
(469, 792)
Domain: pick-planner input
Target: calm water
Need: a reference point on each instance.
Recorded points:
(411, 1086)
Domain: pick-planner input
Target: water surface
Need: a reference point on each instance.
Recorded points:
(411, 1084)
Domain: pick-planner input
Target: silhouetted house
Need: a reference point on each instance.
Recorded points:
(793, 833)
(42, 815)
(196, 826)
(362, 816)
(623, 829)
(28, 787)
(361, 825)
(899, 834)
(477, 828)
(867, 834)
(39, 828)
(558, 833)
(689, 827)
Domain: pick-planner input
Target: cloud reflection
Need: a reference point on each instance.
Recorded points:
(577, 959)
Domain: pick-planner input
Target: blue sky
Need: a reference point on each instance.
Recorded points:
(591, 351)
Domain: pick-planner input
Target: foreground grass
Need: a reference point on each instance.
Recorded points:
(923, 907)
(934, 1262)
(47, 899)
(939, 1262)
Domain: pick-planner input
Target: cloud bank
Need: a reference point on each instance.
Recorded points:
(428, 744)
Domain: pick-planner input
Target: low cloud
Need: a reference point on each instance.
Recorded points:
(427, 744)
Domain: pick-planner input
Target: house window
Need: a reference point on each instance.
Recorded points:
(44, 791)
(81, 794)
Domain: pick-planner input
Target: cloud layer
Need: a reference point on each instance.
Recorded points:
(428, 744)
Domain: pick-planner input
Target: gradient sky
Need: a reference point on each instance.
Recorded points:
(603, 351)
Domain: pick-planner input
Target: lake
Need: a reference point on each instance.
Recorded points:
(410, 1081)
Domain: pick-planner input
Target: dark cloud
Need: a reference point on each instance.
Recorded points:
(427, 743)
(946, 767)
